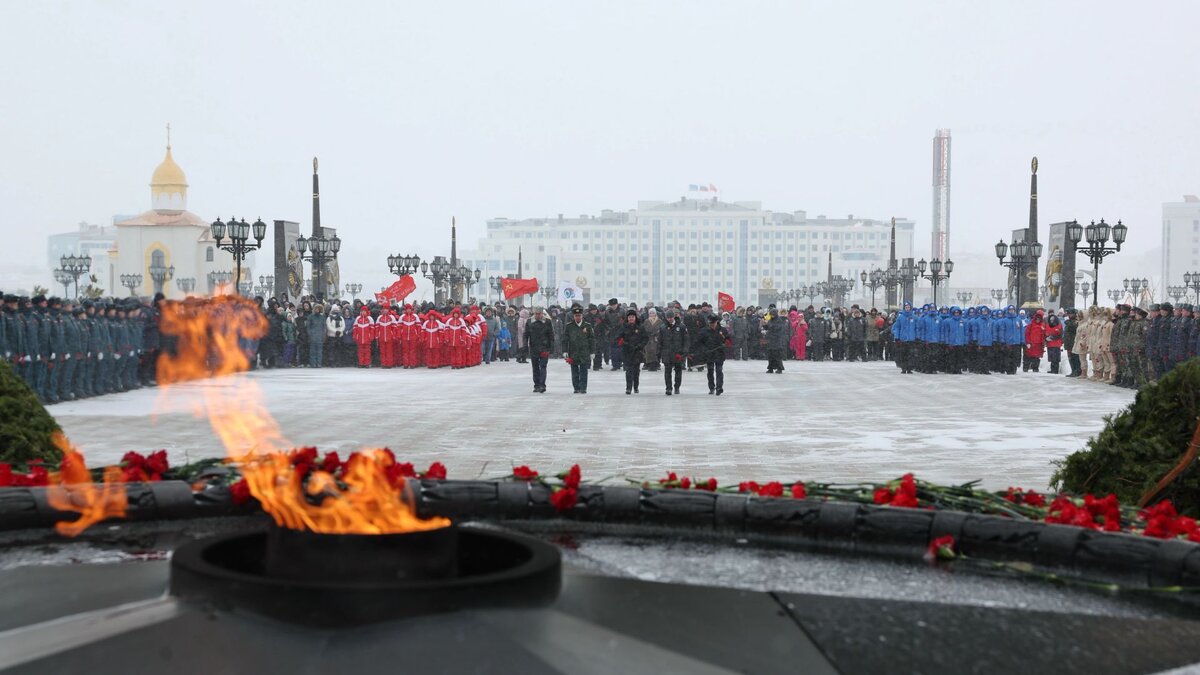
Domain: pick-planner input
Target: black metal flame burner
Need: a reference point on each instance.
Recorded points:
(330, 580)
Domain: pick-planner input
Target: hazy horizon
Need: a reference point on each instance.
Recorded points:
(476, 110)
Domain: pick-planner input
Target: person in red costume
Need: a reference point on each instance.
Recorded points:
(1054, 342)
(1035, 342)
(478, 334)
(456, 339)
(432, 340)
(386, 334)
(408, 326)
(364, 335)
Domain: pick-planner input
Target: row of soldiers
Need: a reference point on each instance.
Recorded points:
(66, 351)
(1129, 346)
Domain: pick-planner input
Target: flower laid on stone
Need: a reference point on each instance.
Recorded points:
(1028, 497)
(941, 548)
(905, 494)
(37, 476)
(565, 497)
(138, 468)
(524, 473)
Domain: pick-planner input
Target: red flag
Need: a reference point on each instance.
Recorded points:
(399, 290)
(725, 302)
(712, 188)
(516, 287)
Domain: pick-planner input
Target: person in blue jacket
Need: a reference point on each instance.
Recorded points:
(954, 339)
(904, 333)
(983, 341)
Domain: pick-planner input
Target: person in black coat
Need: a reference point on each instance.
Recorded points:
(710, 350)
(631, 339)
(673, 349)
(777, 341)
(539, 336)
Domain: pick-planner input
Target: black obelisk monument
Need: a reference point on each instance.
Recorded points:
(1029, 280)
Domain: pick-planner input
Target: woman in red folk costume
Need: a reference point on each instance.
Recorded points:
(478, 333)
(432, 341)
(456, 339)
(385, 332)
(364, 335)
(408, 325)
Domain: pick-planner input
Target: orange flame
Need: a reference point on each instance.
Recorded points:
(208, 333)
(77, 493)
(369, 504)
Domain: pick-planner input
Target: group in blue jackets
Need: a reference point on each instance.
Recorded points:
(948, 340)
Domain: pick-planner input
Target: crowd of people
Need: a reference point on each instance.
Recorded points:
(68, 350)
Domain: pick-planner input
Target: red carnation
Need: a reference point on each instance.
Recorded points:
(772, 489)
(157, 464)
(669, 480)
(397, 473)
(240, 492)
(1032, 498)
(38, 475)
(134, 474)
(436, 471)
(710, 485)
(798, 491)
(748, 486)
(564, 499)
(685, 483)
(883, 496)
(572, 477)
(524, 473)
(6, 475)
(941, 548)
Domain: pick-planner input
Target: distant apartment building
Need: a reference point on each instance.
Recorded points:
(1180, 239)
(686, 250)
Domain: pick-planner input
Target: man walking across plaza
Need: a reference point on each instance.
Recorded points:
(711, 350)
(539, 335)
(581, 340)
(630, 339)
(673, 349)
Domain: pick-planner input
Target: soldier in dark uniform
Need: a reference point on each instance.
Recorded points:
(14, 335)
(69, 360)
(711, 349)
(613, 325)
(673, 349)
(1181, 326)
(1162, 338)
(693, 322)
(580, 338)
(777, 340)
(600, 333)
(631, 340)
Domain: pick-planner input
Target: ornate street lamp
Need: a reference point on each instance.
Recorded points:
(549, 292)
(493, 285)
(875, 280)
(1024, 257)
(1115, 294)
(245, 288)
(907, 278)
(402, 264)
(75, 266)
(160, 275)
(1192, 280)
(186, 284)
(239, 233)
(218, 279)
(938, 272)
(964, 297)
(131, 281)
(998, 295)
(1177, 293)
(319, 251)
(354, 290)
(62, 277)
(1097, 236)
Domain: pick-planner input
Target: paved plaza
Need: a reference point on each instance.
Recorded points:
(818, 421)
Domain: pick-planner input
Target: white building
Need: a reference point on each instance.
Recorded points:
(1180, 239)
(167, 235)
(87, 239)
(686, 250)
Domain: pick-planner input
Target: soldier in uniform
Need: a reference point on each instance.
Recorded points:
(631, 339)
(580, 338)
(1181, 326)
(613, 325)
(1162, 339)
(13, 350)
(673, 349)
(600, 333)
(778, 335)
(70, 359)
(711, 349)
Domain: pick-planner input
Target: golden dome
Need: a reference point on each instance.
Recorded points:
(168, 174)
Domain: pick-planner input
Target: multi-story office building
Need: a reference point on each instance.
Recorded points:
(1180, 239)
(686, 250)
(90, 240)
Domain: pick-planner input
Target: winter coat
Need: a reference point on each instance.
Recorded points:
(674, 342)
(632, 340)
(874, 327)
(818, 329)
(1054, 334)
(837, 328)
(539, 335)
(653, 336)
(856, 329)
(581, 340)
(799, 332)
(335, 326)
(1035, 339)
(710, 347)
(522, 322)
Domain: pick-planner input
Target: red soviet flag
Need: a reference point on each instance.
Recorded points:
(401, 289)
(725, 302)
(516, 287)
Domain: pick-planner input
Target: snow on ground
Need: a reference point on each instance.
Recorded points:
(818, 421)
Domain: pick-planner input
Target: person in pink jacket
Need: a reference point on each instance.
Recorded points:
(799, 341)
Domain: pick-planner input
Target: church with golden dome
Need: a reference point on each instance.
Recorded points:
(169, 237)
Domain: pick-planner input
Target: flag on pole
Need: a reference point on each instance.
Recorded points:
(704, 188)
(693, 187)
(516, 287)
(725, 302)
(569, 294)
(712, 188)
(403, 287)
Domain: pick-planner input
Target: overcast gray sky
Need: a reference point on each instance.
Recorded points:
(420, 111)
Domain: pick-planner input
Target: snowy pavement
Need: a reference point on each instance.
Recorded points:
(817, 421)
